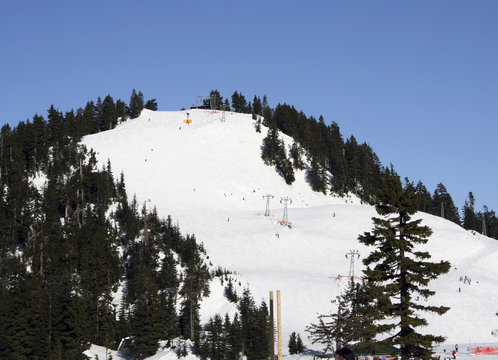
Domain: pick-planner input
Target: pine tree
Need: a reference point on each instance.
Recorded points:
(271, 144)
(108, 117)
(151, 104)
(214, 346)
(136, 104)
(337, 162)
(396, 271)
(293, 343)
(424, 197)
(442, 204)
(233, 337)
(317, 175)
(296, 154)
(239, 103)
(328, 329)
(470, 220)
(300, 345)
(257, 108)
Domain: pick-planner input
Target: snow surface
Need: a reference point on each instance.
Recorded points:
(209, 176)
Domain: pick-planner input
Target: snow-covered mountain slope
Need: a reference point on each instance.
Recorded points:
(209, 176)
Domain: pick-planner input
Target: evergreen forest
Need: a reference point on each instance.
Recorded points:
(72, 240)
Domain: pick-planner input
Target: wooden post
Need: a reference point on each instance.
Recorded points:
(279, 321)
(272, 329)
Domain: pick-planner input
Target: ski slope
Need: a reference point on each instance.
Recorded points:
(209, 176)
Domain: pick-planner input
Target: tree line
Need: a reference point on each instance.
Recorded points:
(74, 246)
(81, 263)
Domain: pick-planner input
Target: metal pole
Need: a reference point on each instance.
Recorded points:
(272, 329)
(279, 321)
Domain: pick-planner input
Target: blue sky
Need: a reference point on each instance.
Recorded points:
(417, 80)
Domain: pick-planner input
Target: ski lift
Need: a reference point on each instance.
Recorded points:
(187, 120)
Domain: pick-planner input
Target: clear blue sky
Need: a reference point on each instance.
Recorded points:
(417, 80)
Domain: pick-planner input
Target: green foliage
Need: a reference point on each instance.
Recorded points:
(296, 345)
(273, 153)
(396, 271)
(239, 103)
(108, 115)
(215, 101)
(214, 346)
(442, 204)
(257, 107)
(136, 104)
(470, 219)
(59, 260)
(254, 328)
(317, 175)
(296, 154)
(151, 104)
(230, 292)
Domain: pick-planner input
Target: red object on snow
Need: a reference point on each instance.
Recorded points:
(485, 350)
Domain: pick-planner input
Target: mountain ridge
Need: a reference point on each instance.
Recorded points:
(209, 176)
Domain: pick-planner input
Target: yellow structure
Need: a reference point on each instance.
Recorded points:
(187, 121)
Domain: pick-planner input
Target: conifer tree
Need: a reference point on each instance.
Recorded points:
(424, 197)
(121, 109)
(470, 220)
(136, 104)
(233, 337)
(239, 103)
(337, 163)
(257, 108)
(328, 329)
(108, 116)
(296, 154)
(317, 175)
(271, 145)
(442, 204)
(293, 343)
(214, 346)
(151, 104)
(396, 270)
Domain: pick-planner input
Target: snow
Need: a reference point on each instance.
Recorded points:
(209, 176)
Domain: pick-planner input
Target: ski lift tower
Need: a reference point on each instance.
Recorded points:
(223, 107)
(267, 209)
(285, 201)
(199, 99)
(212, 102)
(352, 254)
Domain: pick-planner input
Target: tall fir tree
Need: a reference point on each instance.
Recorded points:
(470, 220)
(442, 204)
(136, 104)
(397, 269)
